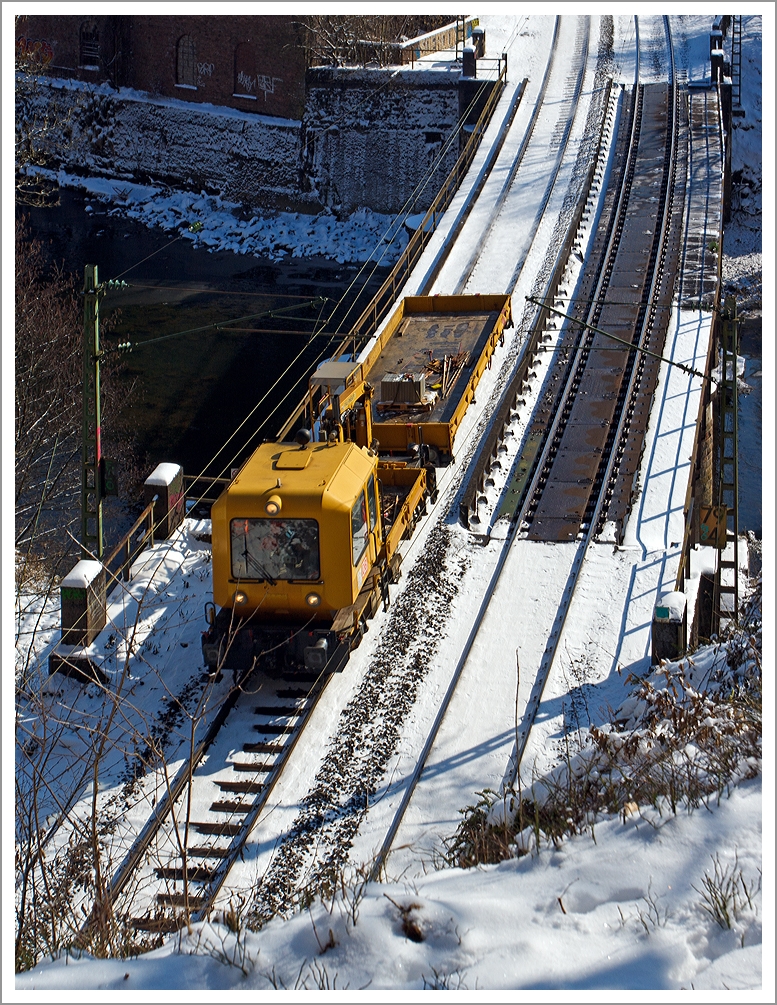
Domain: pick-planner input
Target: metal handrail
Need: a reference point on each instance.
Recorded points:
(123, 572)
(409, 257)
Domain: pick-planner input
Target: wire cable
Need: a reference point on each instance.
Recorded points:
(401, 216)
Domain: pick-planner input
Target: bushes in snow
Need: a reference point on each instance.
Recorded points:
(688, 733)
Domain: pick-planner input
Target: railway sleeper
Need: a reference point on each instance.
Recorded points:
(229, 806)
(263, 748)
(235, 785)
(198, 874)
(273, 728)
(207, 851)
(294, 692)
(218, 829)
(289, 710)
(249, 766)
(179, 900)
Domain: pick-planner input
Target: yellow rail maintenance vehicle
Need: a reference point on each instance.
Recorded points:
(306, 536)
(305, 545)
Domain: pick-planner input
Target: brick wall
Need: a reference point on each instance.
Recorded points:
(253, 63)
(246, 62)
(341, 138)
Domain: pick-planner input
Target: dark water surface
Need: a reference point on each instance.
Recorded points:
(187, 395)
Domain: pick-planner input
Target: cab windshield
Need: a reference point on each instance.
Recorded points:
(274, 549)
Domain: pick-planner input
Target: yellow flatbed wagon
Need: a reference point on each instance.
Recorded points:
(416, 382)
(306, 536)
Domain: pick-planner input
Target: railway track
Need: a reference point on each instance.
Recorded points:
(317, 843)
(182, 857)
(609, 398)
(182, 861)
(179, 862)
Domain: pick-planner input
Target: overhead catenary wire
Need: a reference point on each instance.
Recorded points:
(394, 225)
(406, 213)
(194, 227)
(197, 226)
(401, 216)
(408, 204)
(623, 344)
(211, 290)
(218, 325)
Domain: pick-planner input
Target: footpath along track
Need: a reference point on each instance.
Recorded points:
(181, 859)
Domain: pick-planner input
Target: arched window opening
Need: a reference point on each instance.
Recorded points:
(245, 71)
(185, 60)
(89, 46)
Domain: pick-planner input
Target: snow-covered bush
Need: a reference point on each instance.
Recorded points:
(689, 732)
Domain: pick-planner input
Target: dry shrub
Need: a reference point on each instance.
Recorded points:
(671, 746)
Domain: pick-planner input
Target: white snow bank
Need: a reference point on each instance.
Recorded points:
(360, 237)
(622, 911)
(671, 606)
(164, 474)
(83, 574)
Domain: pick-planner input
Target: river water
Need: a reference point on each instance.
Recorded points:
(187, 395)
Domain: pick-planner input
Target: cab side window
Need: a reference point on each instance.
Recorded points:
(372, 502)
(359, 528)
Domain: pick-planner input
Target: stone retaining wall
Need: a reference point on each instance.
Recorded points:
(368, 138)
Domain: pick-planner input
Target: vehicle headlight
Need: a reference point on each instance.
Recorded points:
(313, 600)
(273, 506)
(240, 598)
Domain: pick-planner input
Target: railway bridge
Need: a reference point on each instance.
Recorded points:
(568, 545)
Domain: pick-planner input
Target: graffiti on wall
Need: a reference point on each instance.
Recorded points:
(205, 69)
(261, 82)
(267, 84)
(35, 50)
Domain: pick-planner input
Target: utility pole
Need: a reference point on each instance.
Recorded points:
(736, 64)
(461, 36)
(91, 451)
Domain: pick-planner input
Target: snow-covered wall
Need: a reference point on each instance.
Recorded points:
(369, 138)
(125, 134)
(372, 137)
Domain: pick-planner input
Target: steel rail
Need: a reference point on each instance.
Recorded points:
(546, 664)
(517, 161)
(548, 657)
(567, 393)
(573, 100)
(379, 305)
(166, 805)
(412, 783)
(186, 775)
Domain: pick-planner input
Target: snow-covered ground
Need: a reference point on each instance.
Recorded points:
(621, 911)
(361, 237)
